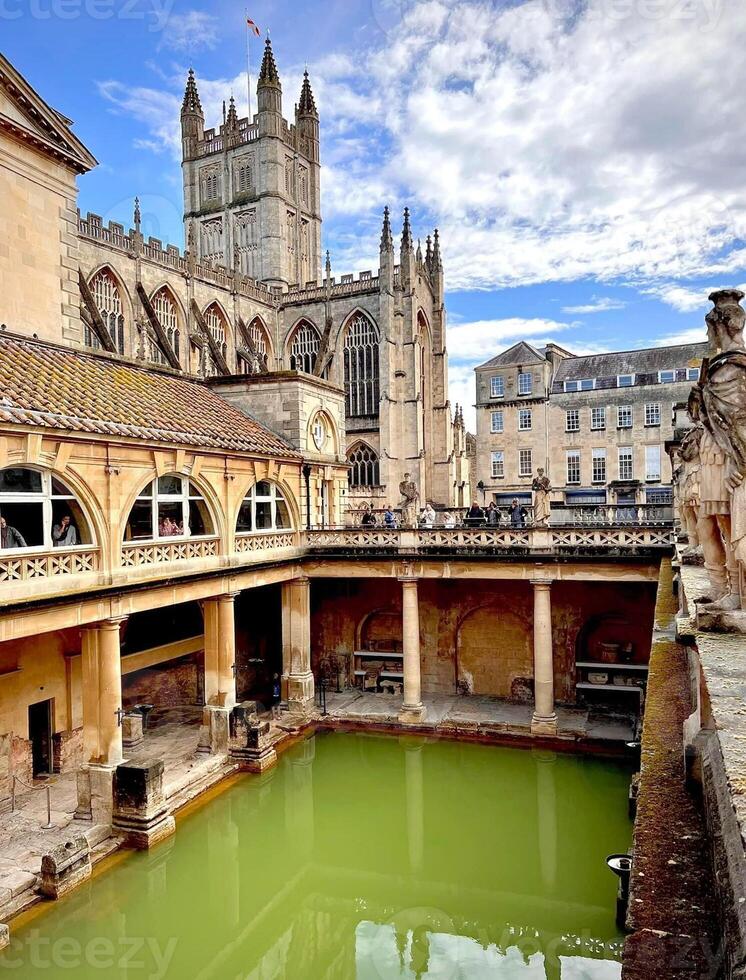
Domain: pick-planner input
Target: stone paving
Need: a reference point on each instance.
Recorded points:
(479, 713)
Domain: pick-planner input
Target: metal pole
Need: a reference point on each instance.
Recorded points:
(48, 825)
(13, 793)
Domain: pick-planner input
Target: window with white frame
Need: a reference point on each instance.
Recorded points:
(584, 384)
(666, 377)
(652, 462)
(524, 383)
(169, 507)
(524, 419)
(598, 418)
(624, 417)
(652, 413)
(496, 422)
(573, 466)
(38, 511)
(264, 508)
(626, 467)
(692, 374)
(525, 462)
(572, 420)
(497, 386)
(497, 460)
(625, 380)
(598, 466)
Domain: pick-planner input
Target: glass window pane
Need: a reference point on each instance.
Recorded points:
(140, 522)
(263, 515)
(283, 514)
(199, 518)
(194, 492)
(69, 527)
(263, 489)
(170, 519)
(244, 522)
(20, 481)
(169, 485)
(21, 525)
(59, 489)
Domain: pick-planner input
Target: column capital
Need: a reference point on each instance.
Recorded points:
(112, 623)
(227, 596)
(539, 583)
(407, 579)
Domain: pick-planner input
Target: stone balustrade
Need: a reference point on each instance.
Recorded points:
(68, 562)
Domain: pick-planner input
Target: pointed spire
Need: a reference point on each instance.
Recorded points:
(269, 74)
(406, 233)
(418, 254)
(231, 121)
(437, 264)
(387, 240)
(138, 217)
(429, 252)
(328, 265)
(191, 101)
(307, 104)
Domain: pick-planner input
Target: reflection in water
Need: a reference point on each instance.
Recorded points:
(363, 857)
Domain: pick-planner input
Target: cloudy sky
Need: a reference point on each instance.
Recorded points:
(584, 161)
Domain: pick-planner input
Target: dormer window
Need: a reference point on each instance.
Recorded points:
(625, 380)
(666, 377)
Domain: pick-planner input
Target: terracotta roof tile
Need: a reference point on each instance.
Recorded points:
(46, 385)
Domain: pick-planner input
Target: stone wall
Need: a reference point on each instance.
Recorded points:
(166, 686)
(481, 632)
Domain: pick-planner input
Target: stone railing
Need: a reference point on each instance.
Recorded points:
(254, 541)
(488, 540)
(366, 283)
(135, 555)
(70, 561)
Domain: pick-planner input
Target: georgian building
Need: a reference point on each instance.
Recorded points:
(597, 424)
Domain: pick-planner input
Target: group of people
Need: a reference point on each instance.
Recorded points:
(169, 529)
(476, 516)
(64, 534)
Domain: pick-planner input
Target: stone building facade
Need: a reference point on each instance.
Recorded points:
(597, 424)
(248, 295)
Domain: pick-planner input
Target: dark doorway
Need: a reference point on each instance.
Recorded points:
(40, 734)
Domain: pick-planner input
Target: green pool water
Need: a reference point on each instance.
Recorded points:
(363, 858)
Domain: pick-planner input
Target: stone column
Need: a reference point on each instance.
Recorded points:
(414, 780)
(412, 709)
(544, 721)
(297, 679)
(102, 731)
(220, 650)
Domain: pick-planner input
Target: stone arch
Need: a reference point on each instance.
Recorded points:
(219, 324)
(124, 341)
(603, 632)
(494, 652)
(360, 353)
(381, 627)
(212, 502)
(262, 339)
(329, 450)
(305, 354)
(287, 493)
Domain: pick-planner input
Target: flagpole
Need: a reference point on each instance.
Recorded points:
(248, 66)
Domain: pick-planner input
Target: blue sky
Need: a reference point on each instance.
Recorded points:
(584, 161)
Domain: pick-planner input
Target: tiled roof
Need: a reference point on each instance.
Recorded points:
(639, 362)
(520, 353)
(45, 385)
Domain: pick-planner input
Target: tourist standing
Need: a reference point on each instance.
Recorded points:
(493, 514)
(428, 516)
(517, 513)
(389, 518)
(474, 515)
(369, 518)
(10, 537)
(64, 534)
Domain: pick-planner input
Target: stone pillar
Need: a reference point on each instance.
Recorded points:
(220, 650)
(412, 709)
(544, 721)
(102, 731)
(140, 809)
(297, 679)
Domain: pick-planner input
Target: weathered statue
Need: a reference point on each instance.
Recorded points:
(410, 496)
(687, 481)
(723, 443)
(542, 488)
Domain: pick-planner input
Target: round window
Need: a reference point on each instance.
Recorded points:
(319, 432)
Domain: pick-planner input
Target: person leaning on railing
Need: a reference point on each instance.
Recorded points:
(474, 516)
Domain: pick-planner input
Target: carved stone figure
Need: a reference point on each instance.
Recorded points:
(542, 488)
(410, 496)
(723, 442)
(687, 481)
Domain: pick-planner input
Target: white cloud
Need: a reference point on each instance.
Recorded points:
(190, 31)
(480, 340)
(693, 335)
(685, 299)
(598, 304)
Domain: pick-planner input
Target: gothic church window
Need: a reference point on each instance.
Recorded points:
(210, 186)
(259, 340)
(304, 348)
(109, 304)
(245, 176)
(212, 240)
(245, 237)
(218, 328)
(289, 176)
(303, 185)
(165, 309)
(364, 467)
(361, 367)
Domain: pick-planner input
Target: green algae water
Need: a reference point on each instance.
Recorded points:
(363, 858)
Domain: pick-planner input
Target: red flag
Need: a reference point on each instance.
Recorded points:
(250, 23)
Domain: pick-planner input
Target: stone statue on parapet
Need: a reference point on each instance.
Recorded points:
(410, 496)
(687, 481)
(719, 400)
(541, 488)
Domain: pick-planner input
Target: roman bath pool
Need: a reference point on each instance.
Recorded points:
(361, 858)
